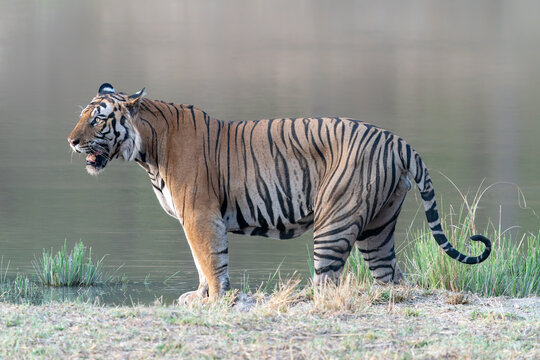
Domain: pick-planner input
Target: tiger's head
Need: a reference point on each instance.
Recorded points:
(105, 129)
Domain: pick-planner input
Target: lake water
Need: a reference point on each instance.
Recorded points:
(459, 80)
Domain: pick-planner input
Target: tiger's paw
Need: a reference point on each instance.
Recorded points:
(192, 297)
(329, 277)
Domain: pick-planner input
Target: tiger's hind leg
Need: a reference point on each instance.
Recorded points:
(333, 241)
(376, 242)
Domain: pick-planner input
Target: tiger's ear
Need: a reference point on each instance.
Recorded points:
(106, 88)
(134, 100)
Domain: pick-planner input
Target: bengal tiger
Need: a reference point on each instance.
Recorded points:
(277, 178)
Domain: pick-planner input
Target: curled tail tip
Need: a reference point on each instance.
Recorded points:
(482, 239)
(487, 243)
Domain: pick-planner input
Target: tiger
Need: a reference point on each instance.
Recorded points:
(345, 179)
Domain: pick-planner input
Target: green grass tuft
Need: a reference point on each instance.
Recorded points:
(52, 271)
(511, 270)
(71, 269)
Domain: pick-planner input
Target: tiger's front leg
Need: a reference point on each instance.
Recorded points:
(207, 238)
(201, 292)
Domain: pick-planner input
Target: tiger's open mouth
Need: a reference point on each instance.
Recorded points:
(95, 162)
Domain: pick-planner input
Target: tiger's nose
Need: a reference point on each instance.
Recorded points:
(73, 142)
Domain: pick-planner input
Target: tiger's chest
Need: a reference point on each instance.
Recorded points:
(163, 194)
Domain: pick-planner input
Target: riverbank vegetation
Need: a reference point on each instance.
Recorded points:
(64, 268)
(445, 310)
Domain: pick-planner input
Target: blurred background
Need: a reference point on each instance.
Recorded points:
(458, 80)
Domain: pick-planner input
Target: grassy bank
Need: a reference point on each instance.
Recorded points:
(330, 323)
(355, 319)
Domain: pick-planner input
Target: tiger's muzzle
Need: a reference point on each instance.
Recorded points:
(96, 160)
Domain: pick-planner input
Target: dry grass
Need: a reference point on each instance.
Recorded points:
(458, 299)
(345, 297)
(286, 295)
(330, 322)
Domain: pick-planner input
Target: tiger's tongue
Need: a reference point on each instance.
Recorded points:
(92, 157)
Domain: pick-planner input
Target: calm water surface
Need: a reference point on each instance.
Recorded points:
(459, 81)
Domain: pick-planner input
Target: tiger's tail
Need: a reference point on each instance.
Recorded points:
(418, 171)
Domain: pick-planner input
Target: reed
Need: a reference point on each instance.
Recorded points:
(511, 269)
(73, 268)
